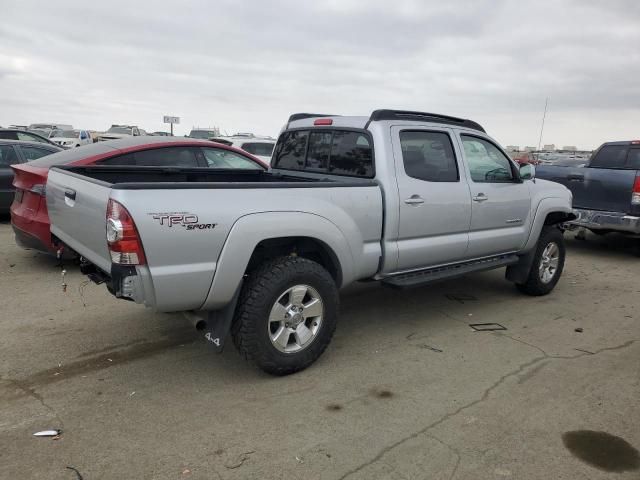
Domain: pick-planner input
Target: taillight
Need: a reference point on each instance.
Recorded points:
(39, 189)
(635, 196)
(323, 121)
(123, 240)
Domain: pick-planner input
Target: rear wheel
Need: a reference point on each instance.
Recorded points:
(286, 315)
(548, 263)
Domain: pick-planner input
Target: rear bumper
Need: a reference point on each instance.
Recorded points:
(31, 227)
(28, 241)
(597, 220)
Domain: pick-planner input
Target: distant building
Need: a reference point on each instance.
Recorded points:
(569, 148)
(549, 147)
(530, 149)
(513, 148)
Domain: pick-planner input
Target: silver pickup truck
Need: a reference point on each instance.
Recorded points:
(404, 198)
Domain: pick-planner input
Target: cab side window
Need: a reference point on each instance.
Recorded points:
(487, 164)
(429, 156)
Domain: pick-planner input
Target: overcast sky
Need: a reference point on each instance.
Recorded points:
(245, 66)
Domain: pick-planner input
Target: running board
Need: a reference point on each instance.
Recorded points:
(431, 275)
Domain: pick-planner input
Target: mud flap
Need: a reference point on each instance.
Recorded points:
(519, 272)
(218, 323)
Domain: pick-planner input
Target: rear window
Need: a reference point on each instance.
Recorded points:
(259, 148)
(65, 157)
(610, 156)
(338, 152)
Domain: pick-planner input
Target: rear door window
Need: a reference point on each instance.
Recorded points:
(167, 157)
(221, 158)
(128, 159)
(610, 156)
(429, 156)
(338, 152)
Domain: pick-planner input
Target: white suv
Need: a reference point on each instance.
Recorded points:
(261, 147)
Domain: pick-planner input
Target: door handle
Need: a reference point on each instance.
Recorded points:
(414, 200)
(70, 194)
(576, 178)
(481, 197)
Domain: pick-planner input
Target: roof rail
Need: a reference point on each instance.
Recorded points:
(424, 117)
(302, 116)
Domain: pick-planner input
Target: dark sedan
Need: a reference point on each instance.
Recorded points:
(23, 135)
(11, 153)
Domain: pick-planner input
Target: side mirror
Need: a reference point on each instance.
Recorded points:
(527, 172)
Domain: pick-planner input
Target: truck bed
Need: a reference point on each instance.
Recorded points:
(137, 177)
(225, 210)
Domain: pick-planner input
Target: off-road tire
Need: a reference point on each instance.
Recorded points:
(261, 290)
(534, 285)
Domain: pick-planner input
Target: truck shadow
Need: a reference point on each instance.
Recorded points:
(612, 245)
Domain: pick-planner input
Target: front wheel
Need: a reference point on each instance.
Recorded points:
(286, 316)
(548, 263)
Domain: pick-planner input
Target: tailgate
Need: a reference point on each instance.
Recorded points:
(77, 209)
(604, 189)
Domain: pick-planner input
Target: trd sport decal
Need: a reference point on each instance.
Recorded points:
(181, 219)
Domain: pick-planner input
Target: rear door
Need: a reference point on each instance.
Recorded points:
(78, 209)
(500, 201)
(435, 205)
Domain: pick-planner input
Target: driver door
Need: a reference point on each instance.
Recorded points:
(500, 201)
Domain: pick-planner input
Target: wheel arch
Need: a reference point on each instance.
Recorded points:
(306, 247)
(549, 212)
(260, 236)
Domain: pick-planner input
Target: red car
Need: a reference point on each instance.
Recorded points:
(29, 216)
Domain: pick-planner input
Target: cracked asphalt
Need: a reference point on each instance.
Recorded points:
(407, 390)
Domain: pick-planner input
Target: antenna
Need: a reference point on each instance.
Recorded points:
(546, 102)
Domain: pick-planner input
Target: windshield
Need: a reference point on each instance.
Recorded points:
(123, 130)
(203, 134)
(64, 133)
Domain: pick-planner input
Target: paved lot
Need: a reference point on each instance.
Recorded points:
(406, 390)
